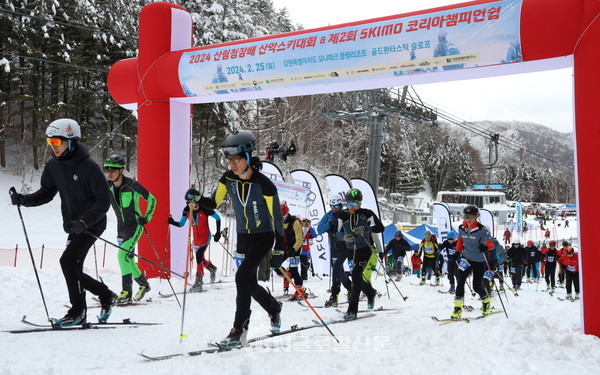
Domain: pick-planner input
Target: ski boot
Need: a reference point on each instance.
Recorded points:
(124, 297)
(70, 319)
(501, 288)
(422, 282)
(276, 320)
(371, 301)
(458, 309)
(144, 288)
(286, 287)
(297, 296)
(213, 273)
(452, 289)
(350, 316)
(437, 281)
(576, 297)
(569, 297)
(236, 337)
(332, 301)
(198, 283)
(106, 307)
(486, 305)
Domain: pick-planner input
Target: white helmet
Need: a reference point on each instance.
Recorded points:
(336, 200)
(63, 128)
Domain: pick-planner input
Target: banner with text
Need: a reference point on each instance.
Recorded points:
(472, 36)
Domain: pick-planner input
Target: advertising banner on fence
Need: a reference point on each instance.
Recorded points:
(479, 35)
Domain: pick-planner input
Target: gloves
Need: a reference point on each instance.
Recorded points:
(360, 230)
(454, 256)
(349, 237)
(277, 258)
(172, 222)
(142, 220)
(74, 227)
(217, 237)
(16, 199)
(483, 248)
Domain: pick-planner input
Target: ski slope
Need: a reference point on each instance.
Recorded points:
(542, 335)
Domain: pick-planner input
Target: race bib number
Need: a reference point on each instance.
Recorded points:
(550, 259)
(464, 264)
(489, 275)
(351, 265)
(294, 261)
(500, 268)
(532, 254)
(513, 270)
(572, 268)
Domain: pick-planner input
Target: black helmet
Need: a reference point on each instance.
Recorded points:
(192, 195)
(238, 142)
(114, 161)
(354, 195)
(471, 210)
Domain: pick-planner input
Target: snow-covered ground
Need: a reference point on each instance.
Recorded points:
(542, 335)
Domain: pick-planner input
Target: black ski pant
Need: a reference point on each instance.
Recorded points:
(304, 266)
(532, 270)
(339, 254)
(255, 246)
(360, 283)
(478, 269)
(561, 273)
(551, 274)
(429, 267)
(71, 263)
(572, 279)
(452, 271)
(516, 276)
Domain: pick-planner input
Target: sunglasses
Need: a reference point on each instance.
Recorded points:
(110, 169)
(233, 160)
(54, 141)
(351, 203)
(338, 206)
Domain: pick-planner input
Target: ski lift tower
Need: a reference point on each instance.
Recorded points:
(372, 108)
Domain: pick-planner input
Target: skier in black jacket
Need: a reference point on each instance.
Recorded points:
(399, 247)
(518, 259)
(84, 201)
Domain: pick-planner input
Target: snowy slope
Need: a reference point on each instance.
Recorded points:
(541, 336)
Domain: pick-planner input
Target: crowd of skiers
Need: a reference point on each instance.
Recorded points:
(266, 230)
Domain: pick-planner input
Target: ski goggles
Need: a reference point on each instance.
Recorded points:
(230, 150)
(332, 206)
(54, 141)
(352, 203)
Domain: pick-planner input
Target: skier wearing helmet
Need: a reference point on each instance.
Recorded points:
(475, 246)
(517, 260)
(551, 255)
(125, 200)
(84, 201)
(448, 248)
(398, 246)
(355, 226)
(259, 225)
(338, 251)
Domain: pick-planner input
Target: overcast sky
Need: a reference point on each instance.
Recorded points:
(545, 97)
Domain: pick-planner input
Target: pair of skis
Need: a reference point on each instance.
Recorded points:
(465, 320)
(52, 327)
(219, 348)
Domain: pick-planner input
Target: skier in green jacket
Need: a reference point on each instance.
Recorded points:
(125, 200)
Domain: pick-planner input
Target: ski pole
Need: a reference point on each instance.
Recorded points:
(161, 262)
(134, 254)
(393, 283)
(301, 293)
(495, 286)
(96, 261)
(12, 191)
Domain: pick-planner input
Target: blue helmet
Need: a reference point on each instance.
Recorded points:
(452, 234)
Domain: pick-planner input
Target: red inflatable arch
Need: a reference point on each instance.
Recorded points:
(553, 34)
